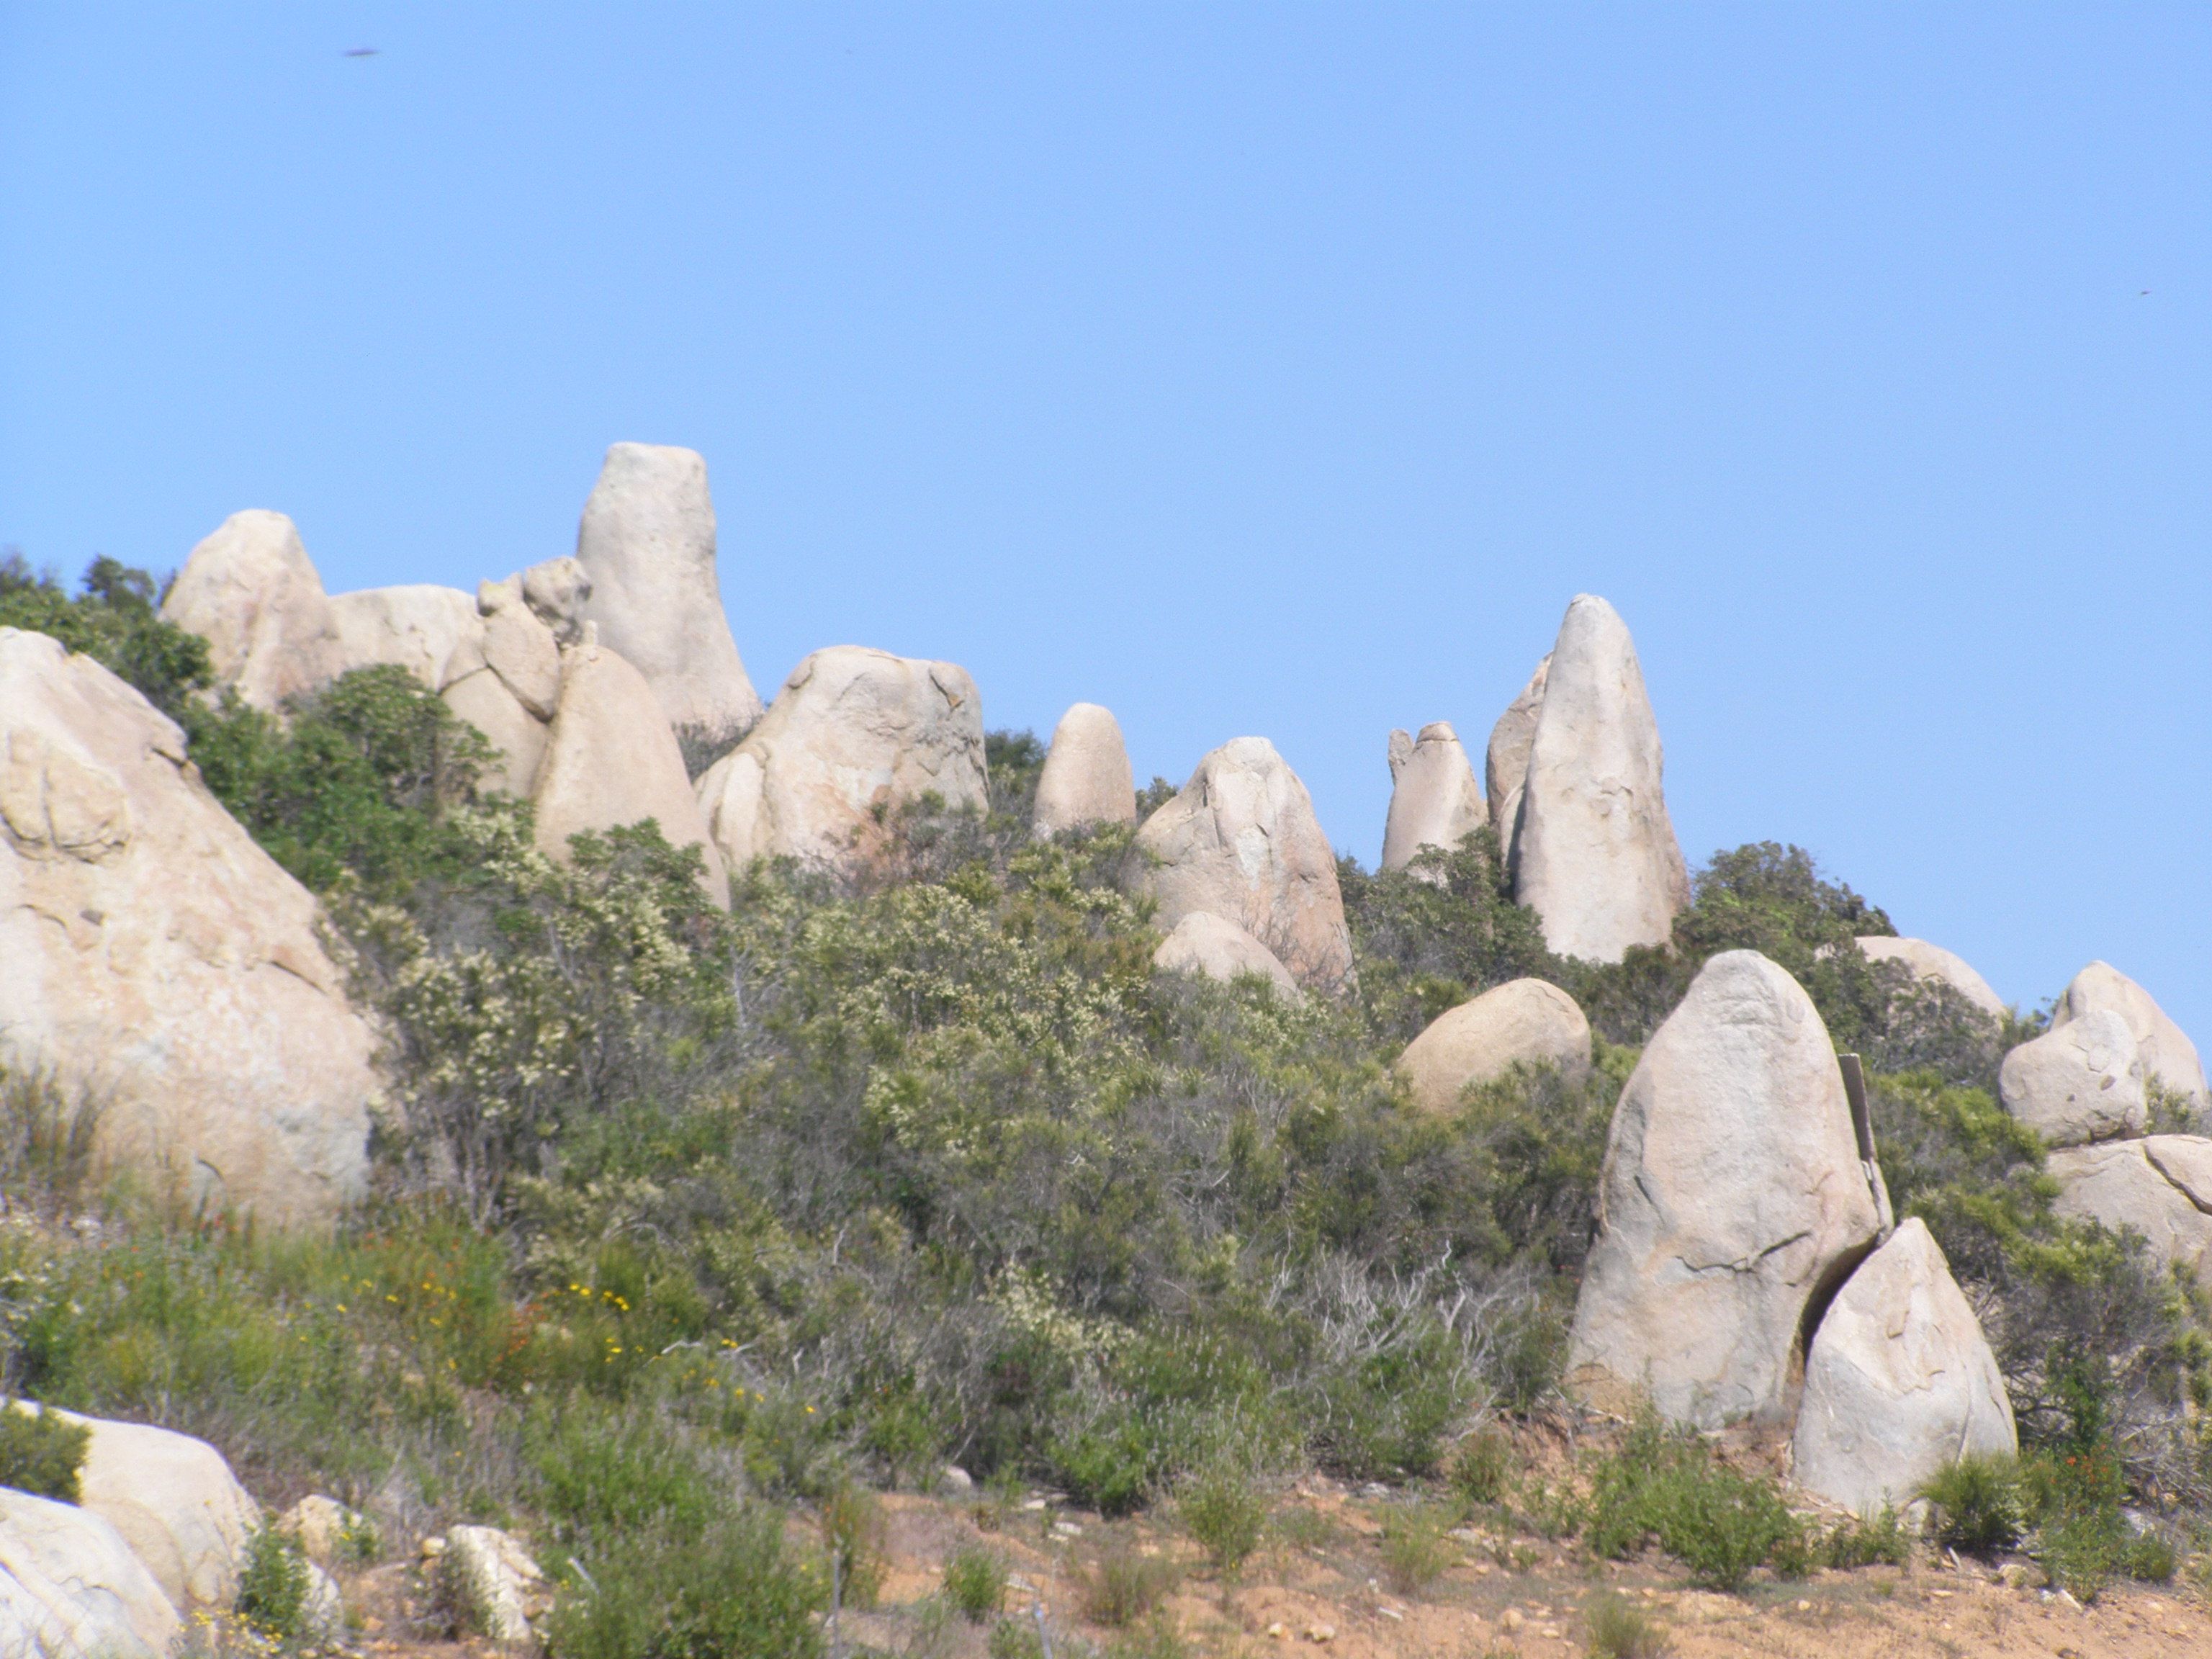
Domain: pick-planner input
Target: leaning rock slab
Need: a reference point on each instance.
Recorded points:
(1933, 962)
(1732, 1196)
(2164, 1197)
(612, 760)
(1525, 1022)
(1434, 798)
(2165, 1048)
(1086, 777)
(494, 1578)
(646, 547)
(853, 736)
(250, 591)
(2082, 1082)
(1595, 854)
(152, 954)
(70, 1587)
(1505, 763)
(1242, 840)
(1203, 943)
(1899, 1382)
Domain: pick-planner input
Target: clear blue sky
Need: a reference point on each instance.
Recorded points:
(1278, 369)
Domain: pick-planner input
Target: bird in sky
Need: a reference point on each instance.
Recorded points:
(362, 52)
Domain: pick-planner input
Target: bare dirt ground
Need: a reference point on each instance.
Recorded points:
(1329, 1598)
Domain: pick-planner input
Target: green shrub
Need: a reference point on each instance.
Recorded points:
(113, 621)
(41, 1453)
(1159, 1638)
(1416, 1548)
(1720, 1524)
(1481, 1467)
(1224, 1511)
(854, 1537)
(666, 1596)
(1619, 1629)
(975, 1581)
(1015, 1638)
(273, 1583)
(1867, 1541)
(1121, 1586)
(1977, 1504)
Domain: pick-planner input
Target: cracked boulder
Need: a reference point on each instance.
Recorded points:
(2159, 1187)
(155, 959)
(2080, 1082)
(1240, 841)
(2166, 1053)
(1900, 1382)
(1434, 798)
(854, 736)
(1525, 1022)
(72, 1588)
(1086, 777)
(1732, 1199)
(1594, 851)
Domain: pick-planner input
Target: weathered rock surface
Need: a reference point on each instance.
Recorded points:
(70, 1587)
(2165, 1048)
(1203, 943)
(555, 591)
(647, 544)
(483, 700)
(520, 648)
(434, 633)
(1523, 1021)
(1932, 961)
(175, 1500)
(2160, 1187)
(2082, 1082)
(322, 1525)
(1595, 854)
(1086, 777)
(250, 592)
(1505, 763)
(855, 735)
(611, 759)
(1732, 1195)
(495, 1579)
(1434, 798)
(151, 953)
(1900, 1382)
(1242, 840)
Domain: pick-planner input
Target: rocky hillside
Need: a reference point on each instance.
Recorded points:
(614, 1167)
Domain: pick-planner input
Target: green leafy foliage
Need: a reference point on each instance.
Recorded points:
(1417, 1547)
(114, 621)
(975, 1581)
(1122, 1585)
(41, 1453)
(1977, 1504)
(1619, 1629)
(361, 779)
(1665, 1487)
(1223, 1508)
(273, 1583)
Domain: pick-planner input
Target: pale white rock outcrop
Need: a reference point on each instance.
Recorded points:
(1594, 853)
(494, 1579)
(1505, 763)
(152, 956)
(175, 1502)
(1086, 777)
(1240, 841)
(322, 1525)
(611, 760)
(2080, 1082)
(855, 735)
(1900, 1382)
(72, 1588)
(1933, 962)
(1732, 1197)
(647, 545)
(520, 648)
(1525, 1022)
(2165, 1048)
(1434, 798)
(1203, 943)
(517, 736)
(556, 590)
(2159, 1187)
(250, 591)
(434, 633)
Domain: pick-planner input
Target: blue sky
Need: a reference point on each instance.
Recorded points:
(1276, 369)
